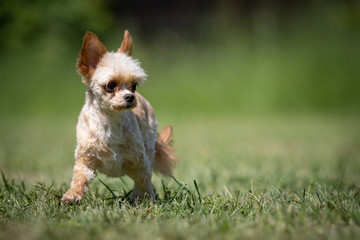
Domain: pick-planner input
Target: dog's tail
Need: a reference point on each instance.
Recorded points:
(165, 160)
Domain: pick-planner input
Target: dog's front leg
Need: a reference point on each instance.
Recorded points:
(83, 173)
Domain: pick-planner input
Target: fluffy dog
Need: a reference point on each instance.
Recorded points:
(117, 128)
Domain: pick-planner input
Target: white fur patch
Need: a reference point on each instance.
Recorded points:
(118, 64)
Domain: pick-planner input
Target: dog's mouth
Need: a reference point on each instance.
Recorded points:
(129, 105)
(124, 107)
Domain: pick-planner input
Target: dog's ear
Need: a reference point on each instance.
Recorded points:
(91, 52)
(126, 45)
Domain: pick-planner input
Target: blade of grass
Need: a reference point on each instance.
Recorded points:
(164, 189)
(112, 193)
(197, 189)
(5, 181)
(228, 192)
(177, 181)
(177, 192)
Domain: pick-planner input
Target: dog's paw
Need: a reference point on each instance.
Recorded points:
(138, 197)
(72, 196)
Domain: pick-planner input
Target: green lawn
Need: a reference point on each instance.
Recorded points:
(256, 178)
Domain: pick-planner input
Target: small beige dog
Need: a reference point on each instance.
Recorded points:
(117, 128)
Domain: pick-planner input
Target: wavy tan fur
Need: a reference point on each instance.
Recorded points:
(165, 160)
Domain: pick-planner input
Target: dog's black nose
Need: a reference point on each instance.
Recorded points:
(129, 98)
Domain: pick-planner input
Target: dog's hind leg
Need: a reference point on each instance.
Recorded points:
(143, 187)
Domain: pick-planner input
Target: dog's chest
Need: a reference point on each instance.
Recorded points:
(123, 145)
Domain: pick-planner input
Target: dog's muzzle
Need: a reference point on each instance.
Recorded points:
(129, 98)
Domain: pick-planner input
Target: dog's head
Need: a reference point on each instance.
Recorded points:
(112, 77)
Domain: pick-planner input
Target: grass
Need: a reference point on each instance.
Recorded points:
(244, 178)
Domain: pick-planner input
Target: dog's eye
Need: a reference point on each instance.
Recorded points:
(133, 86)
(110, 87)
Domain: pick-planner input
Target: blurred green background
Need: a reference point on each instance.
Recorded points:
(229, 61)
(208, 58)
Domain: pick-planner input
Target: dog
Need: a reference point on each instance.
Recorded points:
(117, 129)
